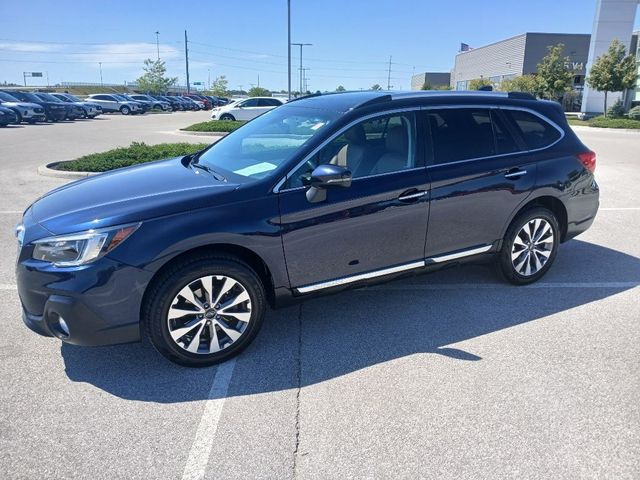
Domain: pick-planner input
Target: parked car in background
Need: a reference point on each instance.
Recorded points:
(145, 106)
(172, 101)
(322, 194)
(112, 104)
(201, 98)
(199, 104)
(154, 102)
(91, 110)
(246, 109)
(25, 111)
(54, 110)
(7, 116)
(73, 111)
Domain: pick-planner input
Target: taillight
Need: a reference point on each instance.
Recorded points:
(588, 159)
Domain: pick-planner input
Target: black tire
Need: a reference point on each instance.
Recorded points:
(505, 262)
(31, 122)
(164, 289)
(124, 110)
(227, 116)
(20, 119)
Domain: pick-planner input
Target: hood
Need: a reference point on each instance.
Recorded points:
(128, 195)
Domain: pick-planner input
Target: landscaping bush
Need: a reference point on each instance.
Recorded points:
(634, 113)
(608, 122)
(616, 110)
(127, 156)
(221, 126)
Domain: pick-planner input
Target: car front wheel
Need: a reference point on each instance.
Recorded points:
(227, 116)
(204, 310)
(530, 246)
(125, 110)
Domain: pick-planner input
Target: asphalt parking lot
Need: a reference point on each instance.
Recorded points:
(452, 375)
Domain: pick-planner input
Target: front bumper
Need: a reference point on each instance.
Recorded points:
(99, 303)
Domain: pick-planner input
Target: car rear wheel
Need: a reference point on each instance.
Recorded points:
(530, 246)
(204, 310)
(124, 110)
(227, 116)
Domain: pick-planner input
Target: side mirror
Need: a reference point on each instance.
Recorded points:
(324, 177)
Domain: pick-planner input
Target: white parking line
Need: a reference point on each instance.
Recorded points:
(203, 441)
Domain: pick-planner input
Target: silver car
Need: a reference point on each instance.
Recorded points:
(25, 111)
(111, 103)
(91, 110)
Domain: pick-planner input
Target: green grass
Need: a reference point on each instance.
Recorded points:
(133, 154)
(606, 122)
(221, 126)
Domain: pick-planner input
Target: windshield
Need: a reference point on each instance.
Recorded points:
(5, 97)
(47, 97)
(28, 97)
(120, 97)
(265, 143)
(73, 98)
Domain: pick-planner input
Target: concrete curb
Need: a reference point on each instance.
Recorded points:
(49, 171)
(586, 128)
(204, 134)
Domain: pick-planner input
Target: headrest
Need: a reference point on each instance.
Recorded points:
(396, 140)
(356, 134)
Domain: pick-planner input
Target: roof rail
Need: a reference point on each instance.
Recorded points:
(521, 96)
(372, 101)
(317, 94)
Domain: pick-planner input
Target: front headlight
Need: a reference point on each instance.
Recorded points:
(81, 248)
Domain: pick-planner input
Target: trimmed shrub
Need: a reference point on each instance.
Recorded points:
(634, 113)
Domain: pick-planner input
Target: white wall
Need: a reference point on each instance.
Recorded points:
(613, 19)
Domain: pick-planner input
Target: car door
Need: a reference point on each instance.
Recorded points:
(247, 109)
(480, 172)
(376, 224)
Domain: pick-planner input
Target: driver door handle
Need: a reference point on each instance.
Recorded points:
(412, 195)
(515, 173)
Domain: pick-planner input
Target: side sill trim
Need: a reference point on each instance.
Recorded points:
(362, 276)
(463, 253)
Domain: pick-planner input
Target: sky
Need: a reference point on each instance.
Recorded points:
(246, 40)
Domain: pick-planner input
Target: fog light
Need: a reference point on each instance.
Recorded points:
(63, 326)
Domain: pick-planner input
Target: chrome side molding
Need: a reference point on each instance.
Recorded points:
(391, 270)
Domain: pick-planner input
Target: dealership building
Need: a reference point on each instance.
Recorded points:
(520, 55)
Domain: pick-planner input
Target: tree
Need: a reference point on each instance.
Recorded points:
(341, 89)
(259, 92)
(523, 83)
(553, 77)
(375, 87)
(154, 79)
(219, 86)
(426, 85)
(613, 71)
(478, 83)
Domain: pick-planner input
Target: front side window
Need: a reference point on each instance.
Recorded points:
(256, 149)
(252, 102)
(381, 145)
(536, 132)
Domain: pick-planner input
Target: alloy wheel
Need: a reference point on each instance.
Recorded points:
(532, 246)
(209, 314)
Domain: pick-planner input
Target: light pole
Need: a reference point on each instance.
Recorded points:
(101, 84)
(301, 74)
(289, 47)
(158, 44)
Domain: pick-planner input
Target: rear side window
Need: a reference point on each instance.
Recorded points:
(461, 134)
(252, 102)
(536, 132)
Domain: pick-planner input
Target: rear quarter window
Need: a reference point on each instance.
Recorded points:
(535, 131)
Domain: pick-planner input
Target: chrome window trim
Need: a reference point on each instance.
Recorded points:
(279, 185)
(498, 107)
(390, 270)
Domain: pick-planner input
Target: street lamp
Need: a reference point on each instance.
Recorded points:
(100, 63)
(289, 47)
(158, 44)
(301, 74)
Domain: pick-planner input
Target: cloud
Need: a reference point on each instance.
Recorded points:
(29, 47)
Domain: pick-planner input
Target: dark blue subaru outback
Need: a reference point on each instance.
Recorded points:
(317, 195)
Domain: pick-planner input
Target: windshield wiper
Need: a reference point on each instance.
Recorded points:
(208, 169)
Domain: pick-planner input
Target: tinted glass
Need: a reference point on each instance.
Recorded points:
(536, 132)
(461, 134)
(262, 145)
(505, 142)
(380, 145)
(252, 102)
(5, 97)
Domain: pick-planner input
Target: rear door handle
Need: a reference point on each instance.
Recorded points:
(411, 195)
(515, 173)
